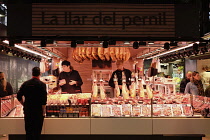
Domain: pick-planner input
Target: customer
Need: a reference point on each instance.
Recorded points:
(70, 80)
(195, 86)
(185, 81)
(207, 91)
(5, 87)
(34, 103)
(119, 72)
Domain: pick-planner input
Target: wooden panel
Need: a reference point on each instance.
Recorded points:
(131, 20)
(181, 126)
(125, 126)
(67, 126)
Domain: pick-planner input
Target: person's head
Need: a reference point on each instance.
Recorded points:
(36, 71)
(188, 74)
(3, 81)
(195, 76)
(66, 66)
(119, 64)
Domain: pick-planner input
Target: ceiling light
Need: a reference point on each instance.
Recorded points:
(135, 45)
(151, 43)
(43, 43)
(126, 42)
(105, 44)
(166, 46)
(73, 44)
(173, 50)
(28, 50)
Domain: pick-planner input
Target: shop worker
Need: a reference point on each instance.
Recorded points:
(5, 87)
(195, 86)
(119, 72)
(185, 81)
(69, 79)
(34, 103)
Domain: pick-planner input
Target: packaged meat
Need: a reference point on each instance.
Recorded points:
(126, 110)
(187, 109)
(106, 110)
(117, 110)
(136, 110)
(177, 110)
(146, 110)
(167, 111)
(95, 110)
(157, 110)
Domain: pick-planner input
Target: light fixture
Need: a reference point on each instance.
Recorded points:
(151, 43)
(28, 50)
(43, 43)
(11, 43)
(127, 42)
(135, 45)
(105, 44)
(166, 46)
(73, 44)
(172, 50)
(2, 13)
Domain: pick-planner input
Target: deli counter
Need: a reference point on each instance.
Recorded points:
(178, 114)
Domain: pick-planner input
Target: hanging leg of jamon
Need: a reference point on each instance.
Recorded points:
(102, 91)
(95, 90)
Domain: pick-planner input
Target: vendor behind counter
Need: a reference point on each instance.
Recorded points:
(69, 79)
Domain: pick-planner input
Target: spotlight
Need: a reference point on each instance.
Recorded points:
(166, 46)
(43, 43)
(195, 46)
(105, 44)
(73, 44)
(135, 45)
(11, 43)
(141, 43)
(112, 42)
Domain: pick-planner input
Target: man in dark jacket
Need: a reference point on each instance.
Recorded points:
(119, 72)
(70, 80)
(35, 94)
(185, 81)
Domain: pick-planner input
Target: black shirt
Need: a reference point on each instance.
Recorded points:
(72, 75)
(35, 95)
(9, 90)
(119, 77)
(183, 84)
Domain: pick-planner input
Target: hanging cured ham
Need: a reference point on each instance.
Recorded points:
(141, 89)
(102, 90)
(112, 54)
(101, 53)
(106, 53)
(95, 53)
(89, 53)
(149, 91)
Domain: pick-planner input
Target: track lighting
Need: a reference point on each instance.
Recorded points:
(105, 44)
(73, 44)
(135, 45)
(43, 43)
(166, 46)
